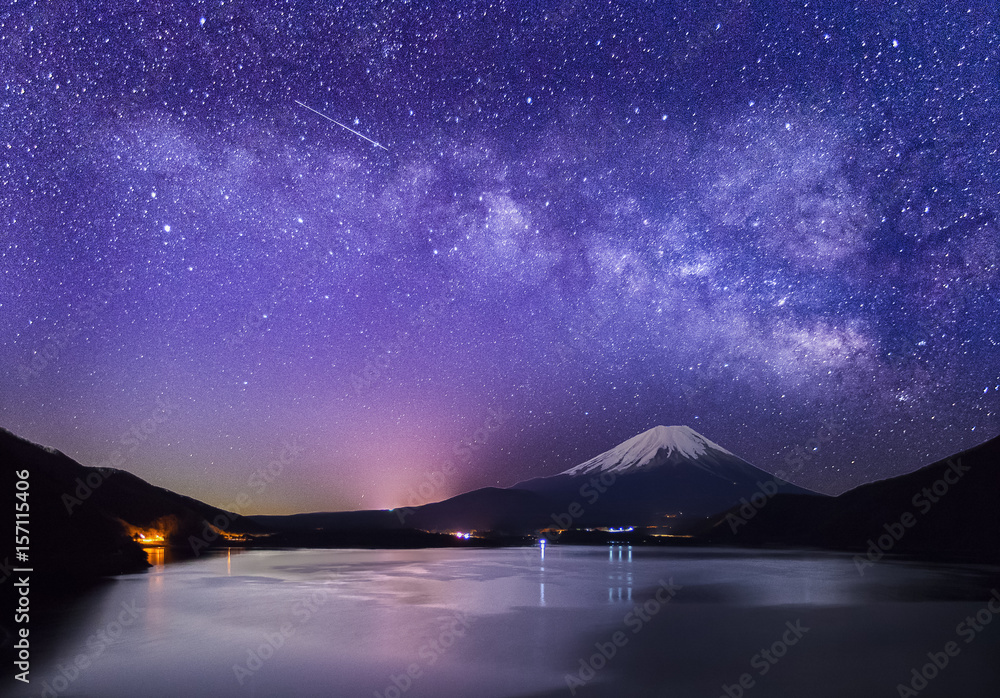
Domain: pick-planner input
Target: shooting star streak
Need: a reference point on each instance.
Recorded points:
(342, 125)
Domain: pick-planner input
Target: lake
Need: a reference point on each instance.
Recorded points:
(542, 621)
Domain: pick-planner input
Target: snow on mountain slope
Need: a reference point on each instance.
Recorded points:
(650, 449)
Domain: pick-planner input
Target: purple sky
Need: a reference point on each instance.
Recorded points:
(752, 218)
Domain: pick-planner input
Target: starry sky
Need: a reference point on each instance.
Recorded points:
(775, 222)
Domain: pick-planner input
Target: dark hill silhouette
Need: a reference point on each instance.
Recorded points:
(80, 516)
(365, 519)
(950, 509)
(509, 511)
(65, 549)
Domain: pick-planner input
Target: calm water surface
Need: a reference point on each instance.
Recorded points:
(602, 621)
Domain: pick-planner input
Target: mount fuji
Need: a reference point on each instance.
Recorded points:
(660, 446)
(666, 478)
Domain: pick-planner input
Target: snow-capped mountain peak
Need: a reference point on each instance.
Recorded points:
(650, 449)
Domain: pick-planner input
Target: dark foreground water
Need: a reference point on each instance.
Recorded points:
(586, 621)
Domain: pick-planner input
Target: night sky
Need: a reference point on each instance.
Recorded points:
(775, 222)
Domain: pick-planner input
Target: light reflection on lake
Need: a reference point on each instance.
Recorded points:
(516, 622)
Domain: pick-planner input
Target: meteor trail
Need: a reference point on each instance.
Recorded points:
(341, 125)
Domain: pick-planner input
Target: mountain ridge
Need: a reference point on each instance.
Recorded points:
(669, 480)
(945, 509)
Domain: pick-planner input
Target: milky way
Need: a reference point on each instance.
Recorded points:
(772, 222)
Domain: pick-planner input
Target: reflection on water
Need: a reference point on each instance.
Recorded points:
(160, 555)
(155, 554)
(620, 574)
(512, 622)
(541, 573)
